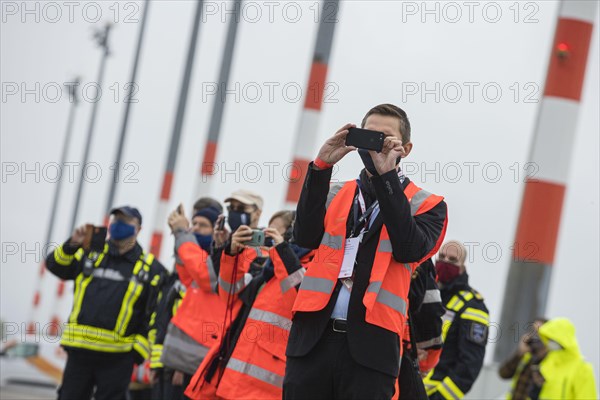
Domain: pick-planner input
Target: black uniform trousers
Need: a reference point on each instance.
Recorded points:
(164, 389)
(338, 375)
(108, 373)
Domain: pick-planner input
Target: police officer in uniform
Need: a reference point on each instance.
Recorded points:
(465, 328)
(116, 289)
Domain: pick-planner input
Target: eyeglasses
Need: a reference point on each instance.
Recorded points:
(241, 208)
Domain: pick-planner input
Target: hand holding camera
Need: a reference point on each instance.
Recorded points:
(78, 236)
(220, 233)
(177, 219)
(335, 148)
(240, 238)
(275, 235)
(386, 160)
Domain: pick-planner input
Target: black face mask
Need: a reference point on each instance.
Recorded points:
(235, 219)
(368, 161)
(269, 242)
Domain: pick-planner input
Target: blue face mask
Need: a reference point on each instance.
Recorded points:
(269, 242)
(120, 230)
(204, 241)
(235, 219)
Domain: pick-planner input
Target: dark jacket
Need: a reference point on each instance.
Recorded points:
(108, 287)
(412, 238)
(466, 338)
(169, 300)
(426, 308)
(262, 271)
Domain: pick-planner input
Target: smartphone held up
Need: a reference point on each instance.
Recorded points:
(365, 139)
(95, 238)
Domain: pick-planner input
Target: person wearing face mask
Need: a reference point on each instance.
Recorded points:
(370, 233)
(243, 213)
(249, 363)
(115, 293)
(465, 329)
(524, 363)
(195, 324)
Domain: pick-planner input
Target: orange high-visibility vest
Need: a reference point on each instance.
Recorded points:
(256, 367)
(386, 297)
(201, 312)
(233, 275)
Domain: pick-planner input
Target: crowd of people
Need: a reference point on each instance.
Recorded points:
(353, 295)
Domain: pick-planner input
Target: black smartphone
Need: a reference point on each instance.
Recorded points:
(221, 224)
(95, 238)
(365, 139)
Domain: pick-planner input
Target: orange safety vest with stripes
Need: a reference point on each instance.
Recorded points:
(256, 367)
(386, 297)
(201, 312)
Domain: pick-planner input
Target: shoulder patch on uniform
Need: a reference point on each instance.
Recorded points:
(478, 333)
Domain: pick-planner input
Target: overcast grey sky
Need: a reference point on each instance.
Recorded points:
(469, 76)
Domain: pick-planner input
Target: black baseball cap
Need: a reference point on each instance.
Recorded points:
(128, 211)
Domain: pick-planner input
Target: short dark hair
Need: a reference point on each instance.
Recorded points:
(204, 202)
(393, 111)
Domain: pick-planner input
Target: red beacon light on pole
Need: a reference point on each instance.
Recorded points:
(562, 50)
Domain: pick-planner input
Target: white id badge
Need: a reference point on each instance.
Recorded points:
(349, 257)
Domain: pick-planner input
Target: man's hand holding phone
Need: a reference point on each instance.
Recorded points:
(78, 236)
(334, 148)
(385, 161)
(177, 220)
(220, 233)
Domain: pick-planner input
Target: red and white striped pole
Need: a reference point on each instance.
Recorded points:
(58, 308)
(208, 167)
(160, 215)
(37, 294)
(537, 231)
(313, 101)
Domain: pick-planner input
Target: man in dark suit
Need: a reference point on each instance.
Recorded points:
(333, 352)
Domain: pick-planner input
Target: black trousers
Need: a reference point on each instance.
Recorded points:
(108, 373)
(328, 371)
(164, 389)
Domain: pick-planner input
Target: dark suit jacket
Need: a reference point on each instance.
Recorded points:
(412, 239)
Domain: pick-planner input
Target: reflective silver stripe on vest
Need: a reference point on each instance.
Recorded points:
(212, 275)
(432, 296)
(431, 342)
(184, 237)
(256, 372)
(407, 266)
(109, 274)
(450, 391)
(388, 298)
(270, 318)
(335, 242)
(333, 190)
(237, 287)
(385, 246)
(177, 338)
(321, 285)
(257, 250)
(417, 200)
(292, 279)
